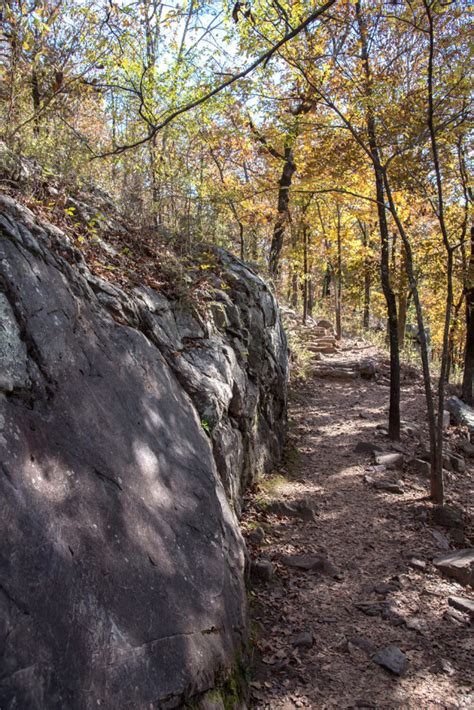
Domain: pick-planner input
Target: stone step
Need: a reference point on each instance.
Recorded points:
(335, 373)
(325, 349)
(317, 348)
(326, 339)
(322, 341)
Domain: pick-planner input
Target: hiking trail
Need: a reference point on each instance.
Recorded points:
(348, 610)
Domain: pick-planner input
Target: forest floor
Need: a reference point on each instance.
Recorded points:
(371, 582)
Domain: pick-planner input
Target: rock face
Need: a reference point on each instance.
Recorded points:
(121, 575)
(233, 364)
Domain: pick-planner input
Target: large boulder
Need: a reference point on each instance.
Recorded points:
(121, 575)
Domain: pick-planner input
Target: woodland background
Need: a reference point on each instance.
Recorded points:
(326, 142)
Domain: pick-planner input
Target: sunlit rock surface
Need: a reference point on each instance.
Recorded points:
(124, 421)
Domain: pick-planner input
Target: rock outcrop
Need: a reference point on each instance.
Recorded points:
(125, 419)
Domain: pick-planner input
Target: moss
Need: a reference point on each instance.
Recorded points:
(230, 689)
(234, 688)
(271, 484)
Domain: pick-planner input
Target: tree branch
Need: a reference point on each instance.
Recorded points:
(263, 58)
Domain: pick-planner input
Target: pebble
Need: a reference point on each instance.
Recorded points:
(386, 587)
(361, 643)
(310, 563)
(391, 658)
(414, 624)
(389, 487)
(389, 458)
(303, 640)
(418, 564)
(441, 540)
(446, 667)
(262, 570)
(257, 536)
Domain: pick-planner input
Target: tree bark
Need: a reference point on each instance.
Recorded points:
(394, 405)
(468, 375)
(338, 290)
(367, 280)
(305, 274)
(284, 184)
(402, 298)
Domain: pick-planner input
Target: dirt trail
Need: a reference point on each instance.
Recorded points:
(370, 537)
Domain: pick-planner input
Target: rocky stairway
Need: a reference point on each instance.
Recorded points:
(321, 341)
(320, 338)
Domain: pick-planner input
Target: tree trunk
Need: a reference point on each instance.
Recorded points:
(468, 375)
(310, 293)
(36, 98)
(435, 483)
(326, 288)
(402, 298)
(453, 330)
(284, 184)
(305, 273)
(367, 284)
(338, 293)
(394, 406)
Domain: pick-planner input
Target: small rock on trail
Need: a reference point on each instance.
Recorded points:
(392, 659)
(459, 565)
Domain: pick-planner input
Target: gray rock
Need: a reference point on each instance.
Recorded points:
(303, 640)
(421, 467)
(372, 608)
(448, 516)
(441, 540)
(458, 618)
(211, 701)
(468, 448)
(386, 587)
(262, 570)
(310, 563)
(418, 564)
(366, 447)
(13, 355)
(122, 562)
(459, 565)
(388, 459)
(389, 487)
(15, 168)
(327, 325)
(410, 429)
(295, 509)
(463, 604)
(461, 413)
(446, 666)
(257, 536)
(361, 643)
(367, 369)
(458, 463)
(391, 658)
(415, 624)
(447, 465)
